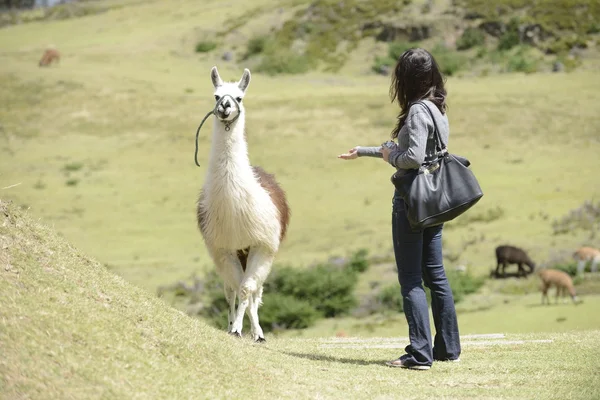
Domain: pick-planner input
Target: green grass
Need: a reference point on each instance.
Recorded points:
(70, 328)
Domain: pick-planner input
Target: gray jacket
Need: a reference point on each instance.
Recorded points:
(411, 150)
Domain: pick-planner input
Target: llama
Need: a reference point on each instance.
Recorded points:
(242, 211)
(561, 280)
(512, 255)
(48, 57)
(583, 255)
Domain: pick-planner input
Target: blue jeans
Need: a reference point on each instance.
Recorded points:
(419, 258)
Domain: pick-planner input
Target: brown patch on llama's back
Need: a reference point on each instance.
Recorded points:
(49, 56)
(268, 182)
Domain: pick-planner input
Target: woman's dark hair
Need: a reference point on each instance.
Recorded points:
(416, 77)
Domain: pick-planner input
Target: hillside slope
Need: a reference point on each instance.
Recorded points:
(69, 328)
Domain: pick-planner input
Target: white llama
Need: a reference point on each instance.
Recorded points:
(242, 212)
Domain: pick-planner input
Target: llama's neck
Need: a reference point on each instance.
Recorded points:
(229, 150)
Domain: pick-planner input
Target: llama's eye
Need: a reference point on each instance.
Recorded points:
(217, 98)
(238, 99)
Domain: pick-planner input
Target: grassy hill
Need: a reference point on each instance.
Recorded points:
(69, 328)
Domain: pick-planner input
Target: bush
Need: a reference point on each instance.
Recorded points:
(286, 312)
(520, 62)
(463, 284)
(396, 49)
(256, 45)
(329, 289)
(470, 38)
(358, 263)
(569, 268)
(510, 38)
(449, 61)
(390, 298)
(205, 46)
(279, 60)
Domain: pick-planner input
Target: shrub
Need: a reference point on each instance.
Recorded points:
(256, 45)
(286, 312)
(279, 60)
(569, 268)
(396, 49)
(470, 38)
(390, 298)
(329, 289)
(510, 38)
(358, 263)
(73, 166)
(463, 284)
(205, 46)
(449, 61)
(520, 62)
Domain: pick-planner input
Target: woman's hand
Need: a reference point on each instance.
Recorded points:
(351, 154)
(385, 151)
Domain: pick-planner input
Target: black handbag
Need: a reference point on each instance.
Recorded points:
(441, 189)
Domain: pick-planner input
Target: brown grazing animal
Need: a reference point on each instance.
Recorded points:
(561, 280)
(583, 255)
(49, 56)
(512, 255)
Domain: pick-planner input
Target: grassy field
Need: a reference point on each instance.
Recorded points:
(101, 145)
(99, 151)
(70, 328)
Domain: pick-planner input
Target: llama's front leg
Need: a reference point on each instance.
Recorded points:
(259, 266)
(252, 311)
(230, 270)
(230, 295)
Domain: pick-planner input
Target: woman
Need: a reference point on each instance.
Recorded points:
(417, 79)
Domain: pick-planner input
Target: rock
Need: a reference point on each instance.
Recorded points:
(395, 32)
(493, 28)
(384, 70)
(558, 67)
(227, 56)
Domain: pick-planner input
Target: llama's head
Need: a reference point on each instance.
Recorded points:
(229, 95)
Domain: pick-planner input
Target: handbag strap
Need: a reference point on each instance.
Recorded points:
(439, 146)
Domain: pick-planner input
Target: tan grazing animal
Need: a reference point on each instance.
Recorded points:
(49, 56)
(561, 280)
(583, 255)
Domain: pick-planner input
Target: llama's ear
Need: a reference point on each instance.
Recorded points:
(245, 81)
(216, 79)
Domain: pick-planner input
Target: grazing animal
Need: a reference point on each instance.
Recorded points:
(242, 211)
(512, 255)
(561, 280)
(49, 56)
(583, 255)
